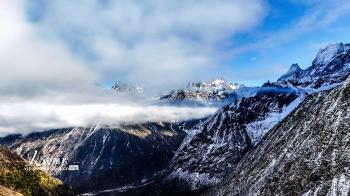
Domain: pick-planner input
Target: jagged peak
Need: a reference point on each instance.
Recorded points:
(326, 54)
(294, 69)
(215, 83)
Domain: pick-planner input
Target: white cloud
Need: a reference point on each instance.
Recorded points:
(25, 117)
(33, 66)
(156, 42)
(45, 84)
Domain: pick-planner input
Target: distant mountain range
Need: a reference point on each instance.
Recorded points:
(288, 137)
(216, 92)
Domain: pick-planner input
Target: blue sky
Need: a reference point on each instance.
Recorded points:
(259, 64)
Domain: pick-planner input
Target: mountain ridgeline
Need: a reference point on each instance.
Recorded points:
(308, 153)
(288, 137)
(217, 146)
(216, 92)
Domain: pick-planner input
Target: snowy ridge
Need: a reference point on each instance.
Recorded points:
(326, 54)
(216, 92)
(331, 65)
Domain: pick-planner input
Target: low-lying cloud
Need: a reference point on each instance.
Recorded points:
(26, 117)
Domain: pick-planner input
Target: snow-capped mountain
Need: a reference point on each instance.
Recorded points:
(113, 158)
(106, 157)
(217, 145)
(330, 67)
(307, 154)
(125, 88)
(212, 92)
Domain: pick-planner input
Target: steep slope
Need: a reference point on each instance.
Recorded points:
(307, 154)
(106, 157)
(214, 92)
(17, 178)
(217, 145)
(209, 152)
(5, 192)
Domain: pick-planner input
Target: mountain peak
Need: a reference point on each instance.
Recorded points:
(214, 85)
(326, 54)
(294, 67)
(125, 88)
(293, 70)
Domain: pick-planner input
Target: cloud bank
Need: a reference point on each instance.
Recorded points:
(26, 116)
(55, 55)
(160, 43)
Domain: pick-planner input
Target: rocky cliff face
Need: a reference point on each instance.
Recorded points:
(307, 154)
(218, 144)
(106, 157)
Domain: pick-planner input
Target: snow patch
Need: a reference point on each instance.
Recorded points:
(256, 130)
(195, 179)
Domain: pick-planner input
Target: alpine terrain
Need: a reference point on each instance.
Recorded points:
(287, 137)
(308, 153)
(217, 145)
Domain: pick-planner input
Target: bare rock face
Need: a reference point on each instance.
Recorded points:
(307, 154)
(101, 157)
